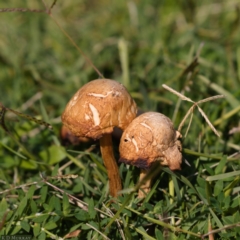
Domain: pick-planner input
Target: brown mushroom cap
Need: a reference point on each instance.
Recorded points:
(149, 138)
(98, 107)
(67, 137)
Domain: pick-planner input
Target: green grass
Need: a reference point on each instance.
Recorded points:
(143, 45)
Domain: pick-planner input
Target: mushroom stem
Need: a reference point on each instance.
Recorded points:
(110, 163)
(145, 187)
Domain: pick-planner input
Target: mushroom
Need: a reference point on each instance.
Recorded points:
(150, 138)
(94, 111)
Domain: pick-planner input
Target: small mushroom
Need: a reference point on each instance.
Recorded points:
(149, 138)
(94, 111)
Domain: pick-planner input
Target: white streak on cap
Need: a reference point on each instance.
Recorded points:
(99, 95)
(135, 144)
(73, 100)
(145, 125)
(87, 117)
(95, 113)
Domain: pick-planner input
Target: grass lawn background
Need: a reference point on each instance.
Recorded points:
(193, 47)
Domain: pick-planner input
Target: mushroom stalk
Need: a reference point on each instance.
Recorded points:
(110, 163)
(145, 187)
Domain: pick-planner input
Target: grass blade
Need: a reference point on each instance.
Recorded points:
(230, 98)
(223, 176)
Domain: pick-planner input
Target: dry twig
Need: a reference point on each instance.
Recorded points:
(195, 104)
